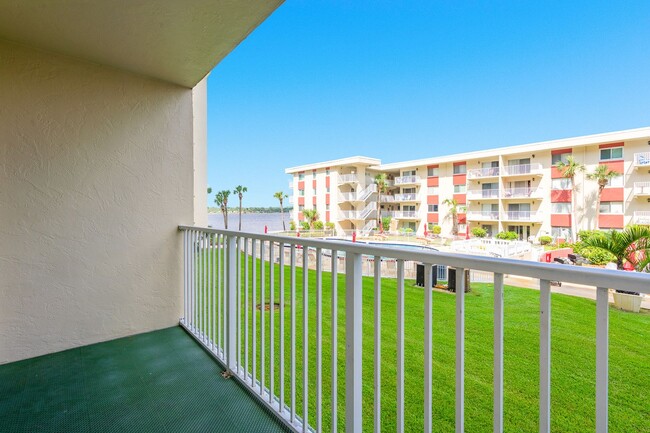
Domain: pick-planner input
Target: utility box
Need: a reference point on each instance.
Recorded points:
(451, 280)
(419, 275)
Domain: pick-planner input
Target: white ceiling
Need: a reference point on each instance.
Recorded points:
(179, 41)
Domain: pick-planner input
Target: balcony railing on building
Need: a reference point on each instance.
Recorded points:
(234, 281)
(483, 215)
(358, 196)
(641, 217)
(480, 173)
(407, 180)
(641, 189)
(402, 214)
(482, 194)
(356, 215)
(516, 170)
(522, 193)
(642, 159)
(347, 178)
(386, 198)
(530, 216)
(406, 197)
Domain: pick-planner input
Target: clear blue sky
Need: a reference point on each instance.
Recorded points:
(395, 80)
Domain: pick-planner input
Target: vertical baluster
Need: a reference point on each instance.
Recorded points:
(460, 350)
(239, 280)
(353, 342)
(246, 319)
(254, 314)
(377, 413)
(215, 300)
(602, 358)
(545, 356)
(208, 284)
(293, 332)
(305, 338)
(334, 327)
(193, 273)
(271, 322)
(262, 319)
(319, 340)
(281, 267)
(219, 290)
(224, 292)
(201, 301)
(428, 345)
(498, 353)
(400, 346)
(231, 291)
(185, 278)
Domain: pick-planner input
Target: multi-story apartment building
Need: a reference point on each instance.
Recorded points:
(513, 188)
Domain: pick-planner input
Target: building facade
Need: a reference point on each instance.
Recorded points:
(515, 188)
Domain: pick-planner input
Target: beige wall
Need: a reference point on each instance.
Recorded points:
(96, 173)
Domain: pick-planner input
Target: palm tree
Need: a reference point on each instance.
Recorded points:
(209, 190)
(602, 175)
(453, 210)
(630, 245)
(239, 191)
(281, 196)
(382, 188)
(569, 169)
(311, 215)
(221, 200)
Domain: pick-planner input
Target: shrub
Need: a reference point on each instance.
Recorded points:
(479, 232)
(292, 225)
(436, 229)
(583, 235)
(329, 226)
(385, 223)
(508, 236)
(318, 225)
(304, 225)
(545, 240)
(597, 256)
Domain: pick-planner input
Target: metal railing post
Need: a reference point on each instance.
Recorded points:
(231, 300)
(353, 343)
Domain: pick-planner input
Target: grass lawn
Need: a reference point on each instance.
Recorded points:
(573, 357)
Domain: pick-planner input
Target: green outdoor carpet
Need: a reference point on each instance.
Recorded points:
(160, 381)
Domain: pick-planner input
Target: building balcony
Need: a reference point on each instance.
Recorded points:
(347, 178)
(483, 215)
(359, 215)
(508, 193)
(641, 189)
(482, 173)
(482, 194)
(641, 218)
(642, 159)
(523, 169)
(385, 198)
(407, 180)
(409, 197)
(403, 214)
(524, 216)
(359, 196)
(290, 184)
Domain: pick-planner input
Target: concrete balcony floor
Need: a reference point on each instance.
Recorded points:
(160, 381)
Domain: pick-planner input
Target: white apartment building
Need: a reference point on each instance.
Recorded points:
(514, 188)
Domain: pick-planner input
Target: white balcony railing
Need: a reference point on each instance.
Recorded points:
(514, 170)
(478, 194)
(642, 188)
(385, 198)
(483, 215)
(641, 217)
(642, 159)
(407, 180)
(479, 173)
(406, 197)
(521, 216)
(290, 184)
(347, 178)
(362, 214)
(229, 306)
(402, 214)
(362, 195)
(522, 192)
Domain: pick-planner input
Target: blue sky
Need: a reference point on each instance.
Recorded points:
(404, 80)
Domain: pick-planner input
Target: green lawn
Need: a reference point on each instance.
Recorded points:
(573, 358)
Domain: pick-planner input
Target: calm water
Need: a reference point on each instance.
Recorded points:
(250, 222)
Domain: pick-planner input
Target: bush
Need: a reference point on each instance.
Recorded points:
(304, 225)
(583, 235)
(292, 225)
(507, 236)
(318, 225)
(385, 223)
(479, 232)
(597, 256)
(545, 240)
(329, 226)
(435, 229)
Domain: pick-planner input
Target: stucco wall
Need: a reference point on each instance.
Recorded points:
(96, 173)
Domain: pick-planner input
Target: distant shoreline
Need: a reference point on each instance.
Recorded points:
(214, 210)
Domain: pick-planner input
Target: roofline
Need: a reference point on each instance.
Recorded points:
(343, 161)
(585, 140)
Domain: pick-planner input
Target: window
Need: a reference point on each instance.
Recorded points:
(433, 190)
(432, 171)
(561, 232)
(613, 207)
(408, 190)
(520, 161)
(563, 157)
(460, 169)
(408, 173)
(301, 192)
(301, 207)
(459, 189)
(462, 209)
(327, 172)
(616, 182)
(561, 208)
(328, 189)
(433, 208)
(562, 183)
(301, 176)
(462, 228)
(611, 153)
(327, 207)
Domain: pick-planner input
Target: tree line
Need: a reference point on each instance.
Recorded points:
(221, 200)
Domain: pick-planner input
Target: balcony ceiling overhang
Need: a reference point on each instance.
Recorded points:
(175, 41)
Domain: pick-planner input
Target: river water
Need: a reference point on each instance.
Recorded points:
(250, 222)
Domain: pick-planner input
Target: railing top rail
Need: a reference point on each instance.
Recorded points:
(631, 281)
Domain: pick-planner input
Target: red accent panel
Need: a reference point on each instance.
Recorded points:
(561, 196)
(610, 221)
(300, 216)
(618, 166)
(612, 194)
(327, 199)
(462, 218)
(555, 173)
(313, 200)
(460, 179)
(460, 163)
(460, 198)
(433, 181)
(561, 220)
(327, 216)
(432, 218)
(433, 166)
(327, 182)
(301, 184)
(313, 183)
(607, 146)
(433, 199)
(560, 151)
(301, 201)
